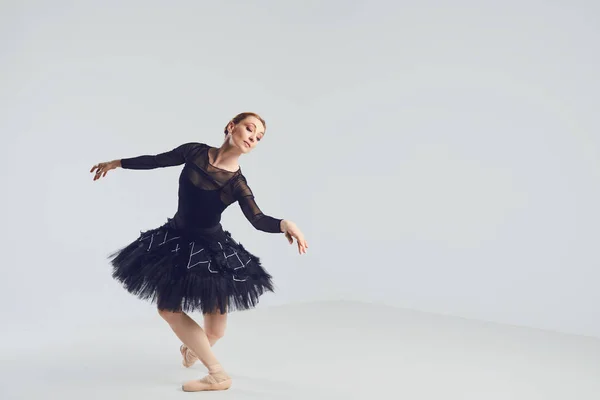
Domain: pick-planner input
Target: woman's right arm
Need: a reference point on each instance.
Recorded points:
(177, 156)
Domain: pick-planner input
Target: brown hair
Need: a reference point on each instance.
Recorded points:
(242, 116)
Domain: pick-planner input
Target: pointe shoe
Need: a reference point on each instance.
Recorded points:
(189, 358)
(217, 381)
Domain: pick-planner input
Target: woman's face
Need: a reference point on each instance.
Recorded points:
(247, 133)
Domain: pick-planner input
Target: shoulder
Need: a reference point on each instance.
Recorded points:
(190, 149)
(239, 180)
(194, 145)
(240, 185)
(241, 177)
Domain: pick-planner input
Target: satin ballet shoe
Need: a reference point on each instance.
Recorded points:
(189, 358)
(213, 381)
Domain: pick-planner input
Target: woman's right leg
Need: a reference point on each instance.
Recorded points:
(214, 326)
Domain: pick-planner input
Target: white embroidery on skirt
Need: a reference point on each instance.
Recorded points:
(194, 253)
(165, 239)
(151, 241)
(199, 262)
(151, 237)
(242, 265)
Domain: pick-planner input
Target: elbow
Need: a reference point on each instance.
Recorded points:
(256, 225)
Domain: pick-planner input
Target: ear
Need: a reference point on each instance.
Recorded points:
(230, 126)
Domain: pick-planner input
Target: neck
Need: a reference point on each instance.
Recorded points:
(226, 157)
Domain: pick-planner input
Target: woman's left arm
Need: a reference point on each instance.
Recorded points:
(292, 231)
(265, 223)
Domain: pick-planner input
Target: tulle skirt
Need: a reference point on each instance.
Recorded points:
(202, 270)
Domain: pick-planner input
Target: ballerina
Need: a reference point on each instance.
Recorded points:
(191, 263)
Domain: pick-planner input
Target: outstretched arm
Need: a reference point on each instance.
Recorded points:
(177, 156)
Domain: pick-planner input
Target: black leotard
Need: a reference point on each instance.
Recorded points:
(205, 191)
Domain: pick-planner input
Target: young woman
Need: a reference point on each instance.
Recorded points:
(190, 263)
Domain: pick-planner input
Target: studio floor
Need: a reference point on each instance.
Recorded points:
(333, 350)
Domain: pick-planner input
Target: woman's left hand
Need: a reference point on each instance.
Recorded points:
(291, 231)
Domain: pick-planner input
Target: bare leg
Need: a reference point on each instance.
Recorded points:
(192, 335)
(214, 326)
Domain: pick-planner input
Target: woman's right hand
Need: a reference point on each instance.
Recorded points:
(103, 167)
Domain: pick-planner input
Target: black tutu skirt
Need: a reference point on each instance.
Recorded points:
(182, 270)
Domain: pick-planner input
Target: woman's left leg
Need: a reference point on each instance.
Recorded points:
(194, 337)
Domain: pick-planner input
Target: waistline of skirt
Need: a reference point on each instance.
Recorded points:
(195, 230)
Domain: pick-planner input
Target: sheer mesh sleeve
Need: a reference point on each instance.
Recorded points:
(244, 196)
(177, 156)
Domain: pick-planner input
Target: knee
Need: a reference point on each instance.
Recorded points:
(171, 317)
(214, 332)
(214, 335)
(214, 326)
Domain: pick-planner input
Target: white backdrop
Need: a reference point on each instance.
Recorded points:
(438, 157)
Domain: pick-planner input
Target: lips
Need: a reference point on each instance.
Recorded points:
(247, 144)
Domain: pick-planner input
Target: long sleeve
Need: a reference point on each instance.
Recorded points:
(244, 196)
(177, 156)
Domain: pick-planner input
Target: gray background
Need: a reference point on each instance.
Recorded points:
(439, 157)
